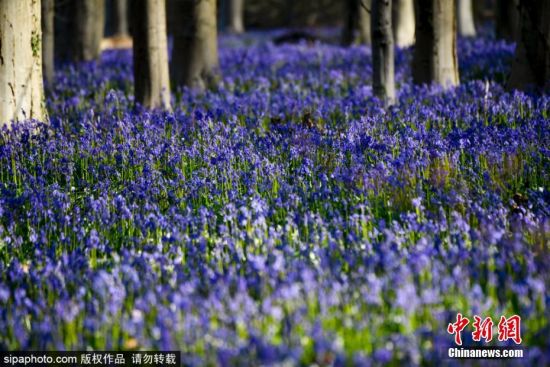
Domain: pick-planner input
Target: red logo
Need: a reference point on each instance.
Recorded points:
(508, 328)
(483, 329)
(457, 327)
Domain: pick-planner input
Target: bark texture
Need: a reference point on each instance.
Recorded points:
(531, 67)
(465, 13)
(195, 53)
(434, 58)
(151, 78)
(48, 40)
(235, 16)
(21, 85)
(357, 28)
(383, 51)
(403, 22)
(79, 29)
(507, 20)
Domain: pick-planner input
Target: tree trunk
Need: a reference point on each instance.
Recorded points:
(236, 9)
(120, 18)
(48, 40)
(79, 30)
(383, 51)
(151, 78)
(90, 21)
(364, 22)
(403, 22)
(348, 32)
(466, 26)
(357, 27)
(21, 85)
(434, 58)
(195, 53)
(507, 20)
(531, 67)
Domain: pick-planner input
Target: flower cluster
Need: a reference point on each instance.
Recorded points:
(282, 216)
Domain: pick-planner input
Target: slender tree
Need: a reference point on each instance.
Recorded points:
(235, 16)
(195, 53)
(357, 27)
(465, 13)
(117, 22)
(383, 51)
(120, 18)
(79, 29)
(403, 22)
(48, 13)
(151, 78)
(507, 19)
(21, 85)
(364, 25)
(531, 67)
(351, 21)
(90, 21)
(434, 57)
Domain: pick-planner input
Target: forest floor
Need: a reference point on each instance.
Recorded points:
(282, 216)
